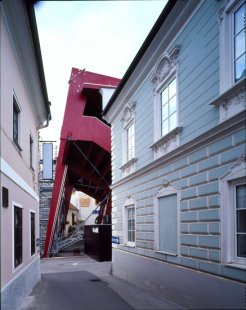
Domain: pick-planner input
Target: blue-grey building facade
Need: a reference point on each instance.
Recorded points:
(178, 157)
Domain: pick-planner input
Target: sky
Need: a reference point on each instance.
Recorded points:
(100, 36)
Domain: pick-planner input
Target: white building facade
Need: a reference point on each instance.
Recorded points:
(24, 110)
(178, 157)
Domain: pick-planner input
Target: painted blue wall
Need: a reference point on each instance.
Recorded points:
(198, 84)
(199, 72)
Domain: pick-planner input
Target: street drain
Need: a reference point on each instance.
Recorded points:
(95, 280)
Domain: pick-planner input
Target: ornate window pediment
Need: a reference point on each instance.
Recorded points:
(128, 113)
(232, 101)
(165, 66)
(128, 139)
(166, 97)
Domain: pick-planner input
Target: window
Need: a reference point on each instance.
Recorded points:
(31, 150)
(232, 43)
(128, 139)
(5, 197)
(16, 123)
(168, 108)
(17, 236)
(129, 223)
(233, 214)
(166, 219)
(32, 230)
(239, 43)
(130, 142)
(240, 217)
(166, 119)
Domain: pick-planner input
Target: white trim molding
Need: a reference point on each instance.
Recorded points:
(128, 114)
(232, 102)
(128, 119)
(6, 169)
(226, 44)
(31, 211)
(167, 143)
(166, 65)
(17, 205)
(128, 203)
(128, 167)
(234, 176)
(165, 71)
(167, 189)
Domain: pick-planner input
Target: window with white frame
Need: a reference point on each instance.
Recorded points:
(166, 218)
(166, 118)
(129, 223)
(240, 219)
(32, 232)
(128, 139)
(16, 122)
(31, 150)
(18, 238)
(233, 211)
(232, 43)
(168, 108)
(239, 33)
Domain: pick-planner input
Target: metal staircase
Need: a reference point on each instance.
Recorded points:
(77, 235)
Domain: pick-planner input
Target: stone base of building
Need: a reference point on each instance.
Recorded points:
(15, 292)
(184, 286)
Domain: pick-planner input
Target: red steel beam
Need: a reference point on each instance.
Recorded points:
(78, 127)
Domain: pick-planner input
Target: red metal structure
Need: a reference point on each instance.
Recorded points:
(84, 159)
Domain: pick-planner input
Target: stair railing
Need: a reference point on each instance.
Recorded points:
(77, 234)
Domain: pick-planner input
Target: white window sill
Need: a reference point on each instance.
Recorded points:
(129, 163)
(129, 167)
(15, 269)
(167, 253)
(130, 245)
(166, 143)
(235, 265)
(232, 101)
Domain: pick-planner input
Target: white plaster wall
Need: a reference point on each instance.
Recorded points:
(16, 195)
(22, 182)
(12, 81)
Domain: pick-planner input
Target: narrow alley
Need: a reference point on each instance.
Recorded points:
(79, 282)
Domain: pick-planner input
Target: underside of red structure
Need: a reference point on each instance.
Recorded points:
(84, 159)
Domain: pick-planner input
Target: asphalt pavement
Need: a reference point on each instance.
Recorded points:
(79, 282)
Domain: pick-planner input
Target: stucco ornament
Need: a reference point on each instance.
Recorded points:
(167, 143)
(233, 104)
(166, 64)
(221, 13)
(163, 68)
(128, 112)
(240, 161)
